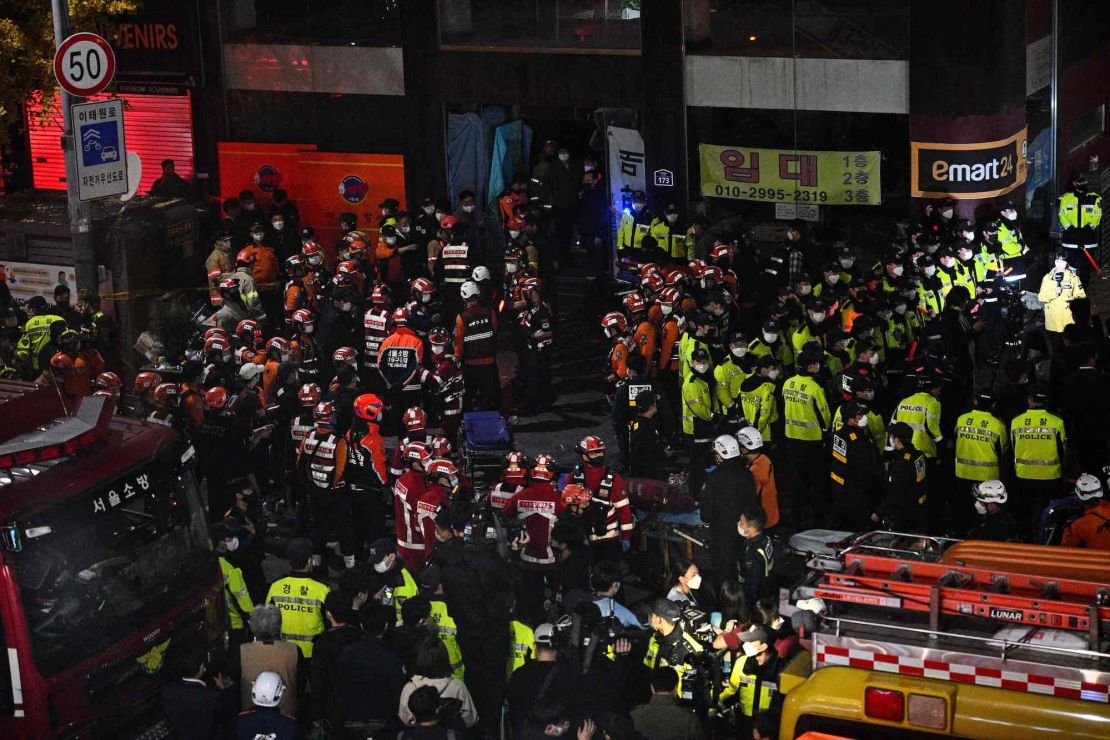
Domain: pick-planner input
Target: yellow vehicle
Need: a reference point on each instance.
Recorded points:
(910, 648)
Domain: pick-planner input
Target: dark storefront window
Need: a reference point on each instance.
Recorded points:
(540, 24)
(322, 22)
(828, 29)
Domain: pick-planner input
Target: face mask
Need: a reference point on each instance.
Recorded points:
(948, 262)
(885, 315)
(588, 168)
(404, 229)
(847, 262)
(637, 207)
(278, 225)
(344, 307)
(429, 210)
(932, 249)
(701, 368)
(385, 565)
(805, 289)
(873, 359)
(947, 213)
(248, 206)
(695, 582)
(309, 328)
(832, 279)
(1009, 215)
(739, 351)
(898, 270)
(391, 240)
(666, 309)
(564, 157)
(439, 216)
(672, 217)
(862, 421)
(964, 254)
(315, 260)
(930, 270)
(900, 309)
(514, 233)
(774, 374)
(425, 297)
(750, 649)
(816, 318)
(717, 311)
(867, 396)
(256, 237)
(770, 337)
(1061, 264)
(468, 209)
(967, 236)
(980, 508)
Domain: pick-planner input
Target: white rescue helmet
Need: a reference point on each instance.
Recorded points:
(1088, 487)
(750, 438)
(267, 689)
(468, 290)
(990, 492)
(726, 446)
(479, 273)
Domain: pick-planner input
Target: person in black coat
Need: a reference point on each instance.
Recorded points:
(1085, 401)
(728, 492)
(342, 631)
(904, 495)
(369, 675)
(194, 709)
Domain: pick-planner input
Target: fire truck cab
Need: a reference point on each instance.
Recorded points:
(105, 559)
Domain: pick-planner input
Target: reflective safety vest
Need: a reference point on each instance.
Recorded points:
(729, 377)
(670, 241)
(320, 453)
(921, 412)
(980, 443)
(1080, 211)
(522, 645)
(781, 349)
(761, 407)
(1038, 439)
(987, 265)
(455, 259)
(805, 409)
(633, 228)
(698, 405)
(679, 656)
(375, 323)
(300, 427)
(397, 596)
(744, 683)
(479, 340)
(236, 595)
(876, 427)
(440, 622)
(1011, 241)
(687, 343)
(36, 335)
(301, 600)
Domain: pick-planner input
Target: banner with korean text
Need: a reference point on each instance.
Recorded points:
(788, 176)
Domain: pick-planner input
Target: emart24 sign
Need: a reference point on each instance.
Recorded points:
(977, 170)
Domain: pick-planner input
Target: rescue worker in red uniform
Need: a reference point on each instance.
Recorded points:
(476, 347)
(304, 327)
(443, 485)
(367, 473)
(608, 490)
(537, 508)
(407, 492)
(375, 324)
(444, 377)
(415, 423)
(322, 459)
(513, 479)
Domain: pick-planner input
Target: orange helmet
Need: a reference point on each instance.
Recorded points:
(448, 222)
(166, 394)
(634, 304)
(245, 257)
(303, 321)
(309, 394)
(249, 333)
(324, 414)
(711, 275)
(216, 398)
(358, 248)
(147, 381)
(515, 464)
(441, 447)
(107, 381)
(369, 407)
(591, 446)
(345, 356)
(614, 324)
(652, 282)
(401, 316)
(216, 345)
(381, 295)
(229, 284)
(415, 452)
(61, 361)
(543, 468)
(415, 420)
(440, 467)
(575, 495)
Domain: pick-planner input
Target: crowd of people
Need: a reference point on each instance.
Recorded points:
(951, 383)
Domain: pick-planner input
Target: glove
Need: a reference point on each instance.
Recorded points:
(626, 545)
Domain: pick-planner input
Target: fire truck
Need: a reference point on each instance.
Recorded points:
(105, 560)
(925, 637)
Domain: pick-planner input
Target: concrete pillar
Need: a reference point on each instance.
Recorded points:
(663, 109)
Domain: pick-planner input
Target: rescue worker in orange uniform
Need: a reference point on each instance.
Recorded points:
(367, 472)
(643, 336)
(1093, 528)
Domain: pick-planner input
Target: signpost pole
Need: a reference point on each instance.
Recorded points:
(80, 214)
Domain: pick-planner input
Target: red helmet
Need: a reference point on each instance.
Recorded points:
(281, 344)
(422, 285)
(369, 407)
(147, 381)
(543, 468)
(711, 275)
(313, 255)
(530, 282)
(415, 420)
(415, 452)
(345, 356)
(347, 267)
(295, 265)
(634, 304)
(303, 321)
(107, 381)
(652, 282)
(245, 257)
(438, 340)
(574, 494)
(441, 447)
(216, 331)
(720, 249)
(513, 254)
(216, 398)
(381, 295)
(647, 268)
(249, 333)
(324, 414)
(696, 266)
(676, 277)
(515, 464)
(61, 361)
(438, 468)
(516, 223)
(401, 316)
(667, 297)
(229, 284)
(309, 394)
(591, 446)
(166, 394)
(614, 324)
(448, 222)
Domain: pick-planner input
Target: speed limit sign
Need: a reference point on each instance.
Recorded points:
(84, 64)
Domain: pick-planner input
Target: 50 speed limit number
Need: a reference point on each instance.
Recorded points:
(84, 64)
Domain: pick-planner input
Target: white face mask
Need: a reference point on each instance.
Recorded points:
(750, 649)
(867, 396)
(948, 262)
(404, 229)
(964, 254)
(637, 207)
(439, 216)
(344, 307)
(468, 209)
(257, 236)
(588, 168)
(425, 297)
(672, 217)
(873, 359)
(815, 317)
(385, 564)
(862, 420)
(429, 210)
(967, 236)
(666, 309)
(694, 582)
(930, 270)
(510, 267)
(391, 240)
(980, 507)
(805, 289)
(739, 351)
(514, 233)
(1061, 264)
(885, 315)
(1009, 215)
(248, 206)
(947, 213)
(701, 367)
(900, 309)
(832, 279)
(232, 544)
(847, 262)
(898, 270)
(278, 225)
(774, 374)
(932, 248)
(770, 337)
(564, 157)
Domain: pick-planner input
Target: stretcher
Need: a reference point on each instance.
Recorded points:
(1032, 560)
(486, 439)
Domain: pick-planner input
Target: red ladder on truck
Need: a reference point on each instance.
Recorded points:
(941, 588)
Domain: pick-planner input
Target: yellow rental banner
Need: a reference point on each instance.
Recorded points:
(787, 176)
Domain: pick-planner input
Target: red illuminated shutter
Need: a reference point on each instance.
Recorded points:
(157, 127)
